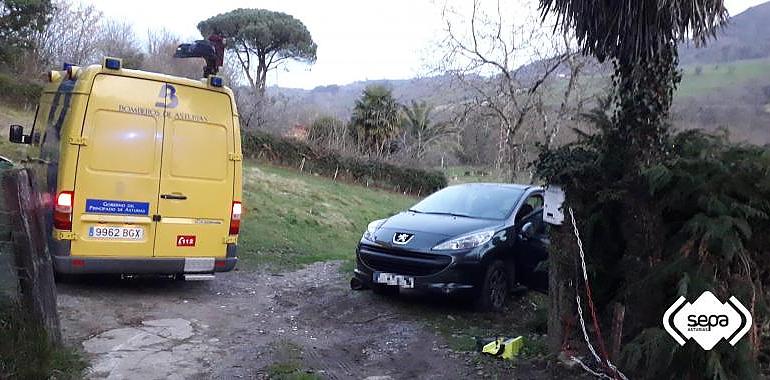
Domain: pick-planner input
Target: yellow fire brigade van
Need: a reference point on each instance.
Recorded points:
(140, 172)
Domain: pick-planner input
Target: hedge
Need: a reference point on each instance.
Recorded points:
(19, 91)
(290, 152)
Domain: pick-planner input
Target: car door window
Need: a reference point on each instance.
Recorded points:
(533, 202)
(536, 201)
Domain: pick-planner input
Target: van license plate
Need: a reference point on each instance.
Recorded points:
(116, 233)
(394, 279)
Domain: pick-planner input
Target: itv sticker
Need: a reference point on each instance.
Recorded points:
(185, 241)
(101, 206)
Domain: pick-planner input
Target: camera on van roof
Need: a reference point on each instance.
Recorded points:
(200, 49)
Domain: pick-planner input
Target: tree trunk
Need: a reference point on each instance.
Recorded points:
(561, 287)
(261, 75)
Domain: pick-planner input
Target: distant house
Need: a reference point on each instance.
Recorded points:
(298, 132)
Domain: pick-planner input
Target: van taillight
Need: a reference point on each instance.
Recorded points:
(235, 218)
(62, 211)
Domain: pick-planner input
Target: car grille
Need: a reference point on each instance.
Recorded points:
(403, 262)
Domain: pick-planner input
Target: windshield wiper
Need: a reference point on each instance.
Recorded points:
(415, 211)
(446, 213)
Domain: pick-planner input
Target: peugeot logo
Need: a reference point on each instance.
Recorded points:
(402, 238)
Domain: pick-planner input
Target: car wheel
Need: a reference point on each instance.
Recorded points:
(385, 290)
(494, 290)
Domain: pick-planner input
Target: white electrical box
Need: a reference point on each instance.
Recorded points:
(553, 207)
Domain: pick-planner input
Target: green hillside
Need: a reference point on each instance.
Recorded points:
(293, 219)
(699, 80)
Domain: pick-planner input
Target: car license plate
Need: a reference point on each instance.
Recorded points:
(116, 233)
(394, 279)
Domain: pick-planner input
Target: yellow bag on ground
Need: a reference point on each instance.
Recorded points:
(506, 348)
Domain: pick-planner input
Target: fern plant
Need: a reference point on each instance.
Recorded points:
(695, 221)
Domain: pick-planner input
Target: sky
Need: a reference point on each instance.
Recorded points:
(357, 39)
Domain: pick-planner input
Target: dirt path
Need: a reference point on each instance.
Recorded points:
(252, 325)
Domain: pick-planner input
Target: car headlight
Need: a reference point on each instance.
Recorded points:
(468, 241)
(372, 228)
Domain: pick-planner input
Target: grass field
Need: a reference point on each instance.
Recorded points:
(25, 352)
(294, 219)
(13, 115)
(465, 174)
(713, 77)
(697, 80)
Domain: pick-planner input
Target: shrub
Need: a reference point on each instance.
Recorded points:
(692, 222)
(288, 152)
(20, 92)
(330, 133)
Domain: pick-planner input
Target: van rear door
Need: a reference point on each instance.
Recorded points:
(118, 168)
(196, 185)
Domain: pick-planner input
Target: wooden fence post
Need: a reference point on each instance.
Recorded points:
(35, 271)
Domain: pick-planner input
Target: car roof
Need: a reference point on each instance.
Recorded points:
(513, 186)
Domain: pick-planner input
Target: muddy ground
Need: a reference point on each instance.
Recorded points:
(251, 324)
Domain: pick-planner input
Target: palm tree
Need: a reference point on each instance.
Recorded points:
(423, 130)
(375, 119)
(640, 37)
(634, 30)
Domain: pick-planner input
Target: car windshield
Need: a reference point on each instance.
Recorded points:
(473, 201)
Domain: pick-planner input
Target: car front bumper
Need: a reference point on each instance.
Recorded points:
(458, 277)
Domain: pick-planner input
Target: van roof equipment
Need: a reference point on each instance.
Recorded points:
(200, 49)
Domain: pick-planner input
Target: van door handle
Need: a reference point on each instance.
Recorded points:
(176, 197)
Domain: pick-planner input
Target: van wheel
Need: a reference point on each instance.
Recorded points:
(494, 290)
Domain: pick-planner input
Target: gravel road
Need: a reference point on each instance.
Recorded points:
(250, 325)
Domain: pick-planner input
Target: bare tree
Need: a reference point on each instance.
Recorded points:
(563, 98)
(71, 36)
(117, 39)
(330, 133)
(507, 58)
(161, 45)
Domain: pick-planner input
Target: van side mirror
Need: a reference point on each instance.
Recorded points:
(528, 230)
(17, 135)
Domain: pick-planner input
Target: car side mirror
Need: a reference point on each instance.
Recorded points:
(17, 135)
(528, 230)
